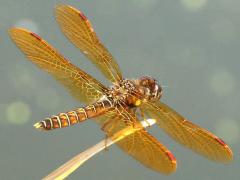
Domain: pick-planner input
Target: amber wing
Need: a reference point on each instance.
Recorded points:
(81, 85)
(149, 151)
(189, 134)
(79, 31)
(140, 145)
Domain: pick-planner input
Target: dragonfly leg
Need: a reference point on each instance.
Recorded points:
(107, 128)
(105, 142)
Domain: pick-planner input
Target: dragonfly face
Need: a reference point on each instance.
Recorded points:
(151, 90)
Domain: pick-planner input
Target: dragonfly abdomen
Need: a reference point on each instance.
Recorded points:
(62, 120)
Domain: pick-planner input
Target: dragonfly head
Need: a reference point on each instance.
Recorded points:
(151, 90)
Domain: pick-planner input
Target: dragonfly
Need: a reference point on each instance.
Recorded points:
(122, 105)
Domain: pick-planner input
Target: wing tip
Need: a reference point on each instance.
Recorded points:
(59, 6)
(173, 162)
(228, 152)
(18, 33)
(13, 31)
(171, 166)
(172, 158)
(229, 155)
(170, 170)
(64, 7)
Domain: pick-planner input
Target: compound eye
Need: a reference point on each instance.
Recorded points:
(160, 90)
(152, 81)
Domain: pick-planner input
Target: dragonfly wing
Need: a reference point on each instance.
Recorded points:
(188, 134)
(140, 145)
(149, 151)
(79, 31)
(80, 84)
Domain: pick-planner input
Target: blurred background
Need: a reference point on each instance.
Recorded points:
(190, 46)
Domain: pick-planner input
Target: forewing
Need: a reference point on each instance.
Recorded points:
(189, 134)
(140, 145)
(79, 31)
(81, 85)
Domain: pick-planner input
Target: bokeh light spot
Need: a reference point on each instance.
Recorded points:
(18, 113)
(193, 5)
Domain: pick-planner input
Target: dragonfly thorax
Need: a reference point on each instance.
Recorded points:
(133, 92)
(123, 92)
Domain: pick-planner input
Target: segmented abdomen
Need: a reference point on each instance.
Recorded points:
(73, 117)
